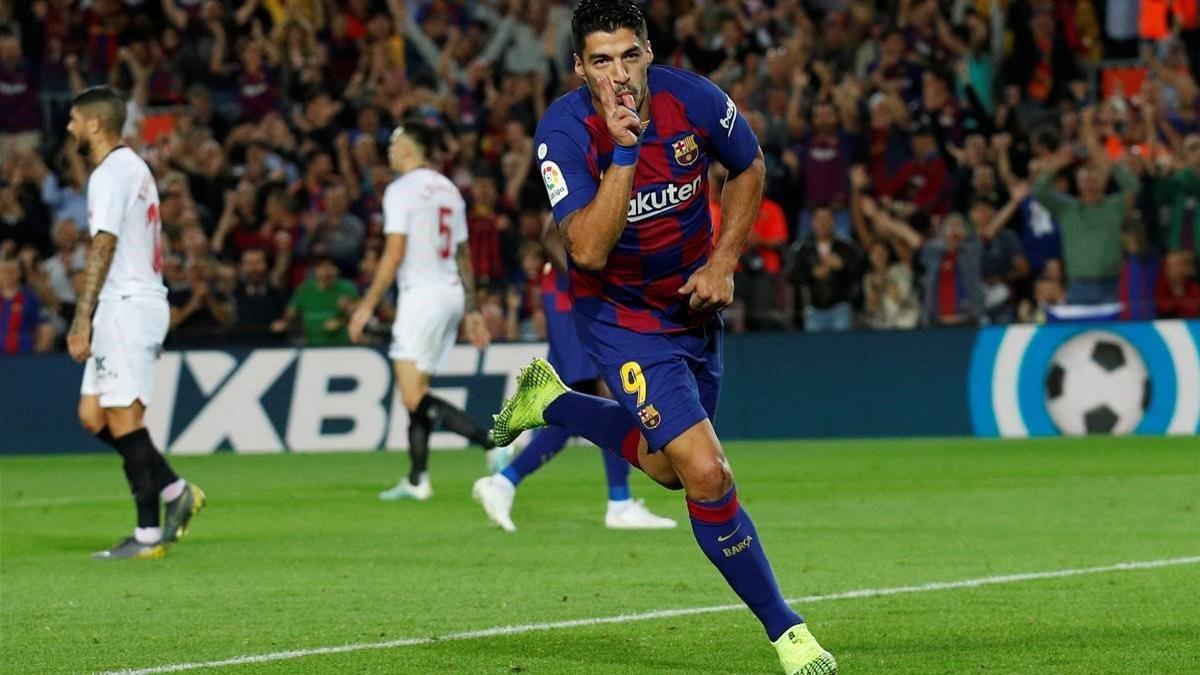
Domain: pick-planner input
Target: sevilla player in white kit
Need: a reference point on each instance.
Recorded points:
(426, 255)
(121, 343)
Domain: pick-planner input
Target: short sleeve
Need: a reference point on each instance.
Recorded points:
(460, 233)
(563, 166)
(105, 204)
(395, 213)
(348, 289)
(729, 135)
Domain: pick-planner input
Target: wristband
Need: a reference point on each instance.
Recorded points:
(625, 156)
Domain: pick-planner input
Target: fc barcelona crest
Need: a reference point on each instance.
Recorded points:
(649, 417)
(686, 150)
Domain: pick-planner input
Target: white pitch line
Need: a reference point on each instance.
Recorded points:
(657, 614)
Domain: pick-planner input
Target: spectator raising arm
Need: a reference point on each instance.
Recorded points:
(242, 14)
(1043, 185)
(216, 62)
(177, 17)
(283, 259)
(860, 183)
(889, 227)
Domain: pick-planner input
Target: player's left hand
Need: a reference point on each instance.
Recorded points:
(477, 331)
(79, 340)
(710, 288)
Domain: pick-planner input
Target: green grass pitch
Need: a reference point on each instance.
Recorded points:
(295, 552)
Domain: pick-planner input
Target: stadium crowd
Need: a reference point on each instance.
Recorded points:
(929, 162)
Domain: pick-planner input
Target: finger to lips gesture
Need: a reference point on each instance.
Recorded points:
(623, 121)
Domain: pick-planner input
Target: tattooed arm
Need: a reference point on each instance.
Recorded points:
(476, 329)
(100, 257)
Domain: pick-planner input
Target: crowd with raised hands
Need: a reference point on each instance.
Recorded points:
(929, 162)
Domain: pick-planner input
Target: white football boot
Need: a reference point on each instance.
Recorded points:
(422, 491)
(632, 514)
(496, 495)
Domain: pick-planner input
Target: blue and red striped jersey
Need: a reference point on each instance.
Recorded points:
(556, 291)
(20, 317)
(668, 232)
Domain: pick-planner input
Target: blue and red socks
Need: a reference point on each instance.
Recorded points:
(546, 443)
(616, 470)
(727, 536)
(600, 420)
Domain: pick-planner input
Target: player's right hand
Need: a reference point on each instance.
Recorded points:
(358, 321)
(623, 121)
(79, 341)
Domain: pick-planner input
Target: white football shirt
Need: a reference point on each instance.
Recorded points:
(426, 206)
(122, 199)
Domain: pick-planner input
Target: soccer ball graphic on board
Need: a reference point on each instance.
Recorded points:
(1097, 383)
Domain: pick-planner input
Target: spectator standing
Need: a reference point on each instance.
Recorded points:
(889, 295)
(1177, 294)
(1179, 189)
(322, 304)
(924, 179)
(824, 271)
(24, 326)
(338, 233)
(200, 313)
(1004, 266)
(68, 256)
(259, 299)
(64, 197)
(1091, 225)
(20, 109)
(953, 282)
(823, 159)
(1047, 292)
(237, 228)
(760, 269)
(487, 225)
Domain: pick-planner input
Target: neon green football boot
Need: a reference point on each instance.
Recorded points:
(799, 653)
(537, 387)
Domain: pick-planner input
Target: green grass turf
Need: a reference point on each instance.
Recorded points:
(296, 552)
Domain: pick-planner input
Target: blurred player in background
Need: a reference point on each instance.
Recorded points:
(125, 288)
(624, 160)
(496, 492)
(427, 256)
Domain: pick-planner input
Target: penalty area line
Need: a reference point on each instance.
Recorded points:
(519, 629)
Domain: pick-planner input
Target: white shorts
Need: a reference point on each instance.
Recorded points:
(426, 325)
(127, 336)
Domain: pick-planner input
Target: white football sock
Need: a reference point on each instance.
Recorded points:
(172, 491)
(147, 535)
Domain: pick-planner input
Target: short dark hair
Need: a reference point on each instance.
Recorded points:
(1048, 137)
(424, 133)
(605, 16)
(104, 103)
(941, 74)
